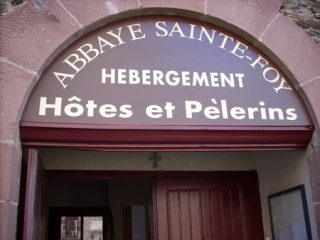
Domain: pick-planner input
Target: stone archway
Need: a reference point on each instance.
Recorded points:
(49, 133)
(22, 65)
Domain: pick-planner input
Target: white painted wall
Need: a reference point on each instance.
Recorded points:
(59, 159)
(279, 171)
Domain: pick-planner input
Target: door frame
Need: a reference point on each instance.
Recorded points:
(246, 176)
(34, 208)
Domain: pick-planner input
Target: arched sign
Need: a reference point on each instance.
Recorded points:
(165, 73)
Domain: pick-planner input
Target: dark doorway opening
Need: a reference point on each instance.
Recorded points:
(96, 209)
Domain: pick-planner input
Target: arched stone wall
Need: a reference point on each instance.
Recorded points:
(34, 32)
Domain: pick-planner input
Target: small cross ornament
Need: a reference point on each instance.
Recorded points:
(155, 158)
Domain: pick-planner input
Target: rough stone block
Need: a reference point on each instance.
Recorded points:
(317, 214)
(314, 166)
(251, 16)
(8, 221)
(14, 86)
(294, 48)
(10, 166)
(312, 91)
(193, 5)
(35, 30)
(87, 12)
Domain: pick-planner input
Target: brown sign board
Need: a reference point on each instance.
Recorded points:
(164, 71)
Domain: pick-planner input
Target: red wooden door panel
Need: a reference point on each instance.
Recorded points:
(227, 214)
(208, 208)
(179, 209)
(184, 214)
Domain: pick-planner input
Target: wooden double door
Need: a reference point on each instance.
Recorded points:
(225, 206)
